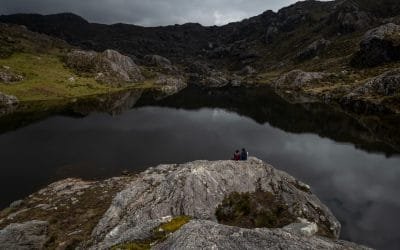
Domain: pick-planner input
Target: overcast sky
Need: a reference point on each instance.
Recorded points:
(148, 12)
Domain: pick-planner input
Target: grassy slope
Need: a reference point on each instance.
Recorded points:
(38, 58)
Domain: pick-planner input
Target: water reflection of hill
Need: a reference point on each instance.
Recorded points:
(373, 134)
(263, 106)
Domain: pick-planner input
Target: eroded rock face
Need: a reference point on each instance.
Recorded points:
(108, 67)
(353, 20)
(298, 78)
(313, 49)
(197, 188)
(379, 45)
(202, 234)
(29, 235)
(8, 103)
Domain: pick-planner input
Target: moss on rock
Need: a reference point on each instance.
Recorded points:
(254, 210)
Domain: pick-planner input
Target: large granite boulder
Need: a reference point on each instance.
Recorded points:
(202, 234)
(173, 206)
(296, 79)
(378, 46)
(109, 67)
(170, 85)
(350, 21)
(158, 61)
(196, 189)
(8, 103)
(25, 236)
(313, 50)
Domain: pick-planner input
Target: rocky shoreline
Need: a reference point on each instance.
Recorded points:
(199, 204)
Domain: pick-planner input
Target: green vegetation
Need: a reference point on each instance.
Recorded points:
(46, 77)
(174, 224)
(250, 210)
(132, 246)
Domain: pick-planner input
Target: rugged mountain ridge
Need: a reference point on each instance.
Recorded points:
(332, 39)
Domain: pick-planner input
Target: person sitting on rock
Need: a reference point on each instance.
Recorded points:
(236, 156)
(243, 155)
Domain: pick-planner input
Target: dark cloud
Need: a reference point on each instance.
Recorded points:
(149, 12)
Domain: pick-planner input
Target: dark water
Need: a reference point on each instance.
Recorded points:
(353, 165)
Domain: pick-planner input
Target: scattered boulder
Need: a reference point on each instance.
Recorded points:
(297, 78)
(387, 84)
(158, 61)
(247, 70)
(369, 98)
(28, 235)
(378, 46)
(8, 103)
(215, 80)
(313, 50)
(8, 76)
(108, 67)
(197, 188)
(204, 75)
(199, 67)
(170, 84)
(350, 21)
(204, 234)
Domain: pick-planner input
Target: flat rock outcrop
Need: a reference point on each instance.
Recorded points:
(29, 235)
(378, 46)
(196, 189)
(109, 67)
(202, 234)
(172, 207)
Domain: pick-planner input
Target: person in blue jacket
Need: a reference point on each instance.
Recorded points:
(243, 155)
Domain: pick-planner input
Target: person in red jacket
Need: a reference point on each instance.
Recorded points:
(236, 155)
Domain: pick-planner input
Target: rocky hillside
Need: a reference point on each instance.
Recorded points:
(200, 204)
(335, 48)
(38, 67)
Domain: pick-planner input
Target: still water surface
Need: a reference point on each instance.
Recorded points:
(350, 168)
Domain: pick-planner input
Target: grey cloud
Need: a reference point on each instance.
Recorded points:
(149, 12)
